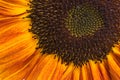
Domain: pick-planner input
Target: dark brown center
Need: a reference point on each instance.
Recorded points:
(76, 30)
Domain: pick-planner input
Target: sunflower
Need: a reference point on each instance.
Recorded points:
(59, 40)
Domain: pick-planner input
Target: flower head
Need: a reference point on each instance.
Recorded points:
(59, 40)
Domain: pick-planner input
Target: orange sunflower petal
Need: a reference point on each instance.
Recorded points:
(13, 8)
(114, 68)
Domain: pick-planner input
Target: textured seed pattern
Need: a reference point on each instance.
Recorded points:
(83, 20)
(56, 37)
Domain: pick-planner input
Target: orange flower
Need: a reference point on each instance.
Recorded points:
(20, 60)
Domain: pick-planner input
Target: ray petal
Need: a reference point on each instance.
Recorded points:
(114, 67)
(8, 9)
(95, 71)
(22, 69)
(59, 71)
(104, 71)
(67, 75)
(77, 74)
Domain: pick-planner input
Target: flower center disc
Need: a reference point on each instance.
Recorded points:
(75, 31)
(83, 20)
